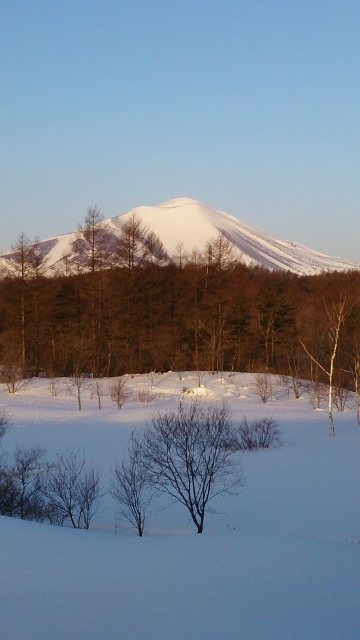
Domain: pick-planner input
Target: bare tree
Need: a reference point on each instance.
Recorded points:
(21, 493)
(137, 245)
(336, 314)
(131, 489)
(318, 392)
(154, 251)
(94, 241)
(262, 386)
(292, 382)
(73, 490)
(180, 256)
(27, 473)
(55, 386)
(341, 396)
(97, 391)
(18, 266)
(8, 494)
(221, 253)
(12, 374)
(90, 494)
(5, 422)
(355, 374)
(186, 454)
(6, 484)
(38, 263)
(93, 246)
(151, 376)
(79, 382)
(119, 391)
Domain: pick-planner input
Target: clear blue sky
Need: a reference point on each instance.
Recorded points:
(250, 106)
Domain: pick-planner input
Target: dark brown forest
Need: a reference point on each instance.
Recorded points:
(121, 314)
(175, 317)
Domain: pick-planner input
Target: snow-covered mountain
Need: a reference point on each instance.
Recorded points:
(193, 224)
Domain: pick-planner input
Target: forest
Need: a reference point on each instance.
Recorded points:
(122, 305)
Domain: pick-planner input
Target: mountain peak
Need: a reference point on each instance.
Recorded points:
(180, 202)
(194, 224)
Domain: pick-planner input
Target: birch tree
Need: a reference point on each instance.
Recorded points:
(336, 313)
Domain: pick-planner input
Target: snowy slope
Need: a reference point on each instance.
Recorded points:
(194, 224)
(280, 561)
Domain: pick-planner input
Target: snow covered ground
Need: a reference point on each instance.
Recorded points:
(280, 561)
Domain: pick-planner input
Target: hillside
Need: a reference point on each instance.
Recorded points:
(193, 224)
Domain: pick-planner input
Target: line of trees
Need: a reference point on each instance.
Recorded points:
(121, 305)
(187, 455)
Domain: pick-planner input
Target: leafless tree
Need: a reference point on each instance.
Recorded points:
(186, 454)
(291, 382)
(137, 245)
(220, 253)
(8, 494)
(154, 251)
(94, 241)
(340, 396)
(5, 421)
(318, 392)
(94, 246)
(21, 493)
(200, 375)
(55, 386)
(27, 473)
(131, 489)
(262, 386)
(78, 383)
(120, 391)
(355, 375)
(294, 380)
(73, 489)
(336, 314)
(180, 256)
(97, 391)
(151, 376)
(18, 266)
(39, 268)
(12, 371)
(6, 484)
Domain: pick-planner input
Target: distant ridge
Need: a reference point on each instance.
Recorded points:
(193, 224)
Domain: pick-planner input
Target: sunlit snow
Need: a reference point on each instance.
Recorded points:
(280, 561)
(192, 223)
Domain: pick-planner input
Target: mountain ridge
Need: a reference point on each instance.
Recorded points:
(193, 223)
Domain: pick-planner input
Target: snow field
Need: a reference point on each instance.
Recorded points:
(281, 560)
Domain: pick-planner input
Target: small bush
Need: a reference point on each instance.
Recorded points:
(318, 391)
(262, 386)
(258, 434)
(340, 397)
(145, 396)
(120, 392)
